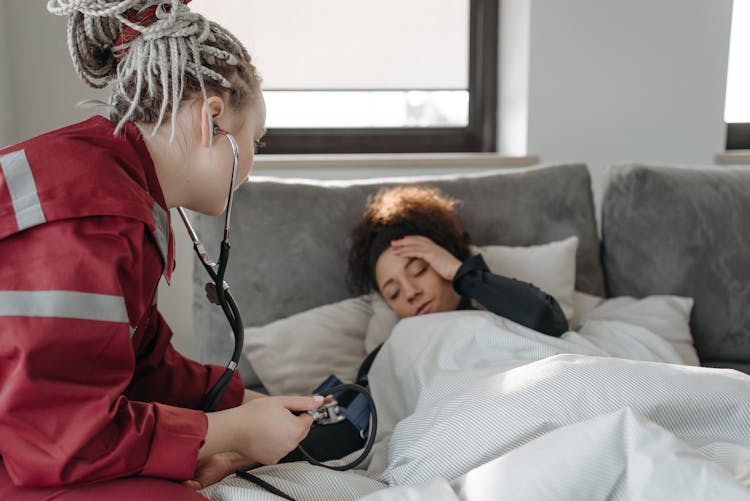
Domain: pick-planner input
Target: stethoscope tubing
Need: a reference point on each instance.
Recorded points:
(220, 287)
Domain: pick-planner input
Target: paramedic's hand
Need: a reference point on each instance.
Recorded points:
(251, 395)
(263, 430)
(215, 468)
(271, 431)
(443, 262)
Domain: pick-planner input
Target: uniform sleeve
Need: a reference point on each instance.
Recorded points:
(518, 301)
(164, 375)
(67, 359)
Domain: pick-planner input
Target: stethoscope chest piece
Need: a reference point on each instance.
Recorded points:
(329, 413)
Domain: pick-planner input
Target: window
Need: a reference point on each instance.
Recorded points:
(737, 110)
(356, 76)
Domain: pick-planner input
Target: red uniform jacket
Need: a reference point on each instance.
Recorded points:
(90, 386)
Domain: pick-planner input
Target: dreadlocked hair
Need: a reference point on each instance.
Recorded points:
(398, 211)
(179, 55)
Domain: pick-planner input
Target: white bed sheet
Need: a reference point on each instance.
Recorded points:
(472, 406)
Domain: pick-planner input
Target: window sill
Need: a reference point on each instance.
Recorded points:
(392, 160)
(733, 157)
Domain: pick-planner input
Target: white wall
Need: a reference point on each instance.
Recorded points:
(636, 80)
(45, 86)
(7, 112)
(607, 81)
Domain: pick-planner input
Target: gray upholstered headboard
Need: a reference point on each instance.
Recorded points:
(290, 237)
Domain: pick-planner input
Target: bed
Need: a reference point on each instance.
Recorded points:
(474, 406)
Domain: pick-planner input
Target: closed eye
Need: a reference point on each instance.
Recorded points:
(416, 266)
(394, 295)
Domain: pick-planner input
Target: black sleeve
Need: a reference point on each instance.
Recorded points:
(518, 301)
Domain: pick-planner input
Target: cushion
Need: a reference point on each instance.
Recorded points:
(295, 354)
(289, 237)
(381, 323)
(664, 315)
(550, 267)
(684, 231)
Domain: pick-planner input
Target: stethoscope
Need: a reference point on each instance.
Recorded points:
(218, 293)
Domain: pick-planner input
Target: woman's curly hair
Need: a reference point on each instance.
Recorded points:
(395, 212)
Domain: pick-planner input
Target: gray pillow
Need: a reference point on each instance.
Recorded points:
(685, 231)
(290, 237)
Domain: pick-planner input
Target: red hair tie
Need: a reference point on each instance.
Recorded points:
(143, 18)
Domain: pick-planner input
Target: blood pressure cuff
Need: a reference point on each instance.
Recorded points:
(334, 441)
(352, 404)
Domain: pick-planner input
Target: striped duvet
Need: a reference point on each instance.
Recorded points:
(473, 406)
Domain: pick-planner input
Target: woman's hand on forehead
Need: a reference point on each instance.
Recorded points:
(418, 246)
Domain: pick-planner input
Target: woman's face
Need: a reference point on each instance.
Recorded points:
(247, 127)
(412, 287)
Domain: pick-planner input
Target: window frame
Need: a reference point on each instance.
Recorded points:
(480, 135)
(738, 136)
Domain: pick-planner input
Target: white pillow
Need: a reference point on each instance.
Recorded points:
(550, 267)
(381, 323)
(664, 315)
(295, 354)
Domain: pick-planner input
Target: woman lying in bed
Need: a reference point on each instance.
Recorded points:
(411, 246)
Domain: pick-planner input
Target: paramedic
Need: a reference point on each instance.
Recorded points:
(94, 401)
